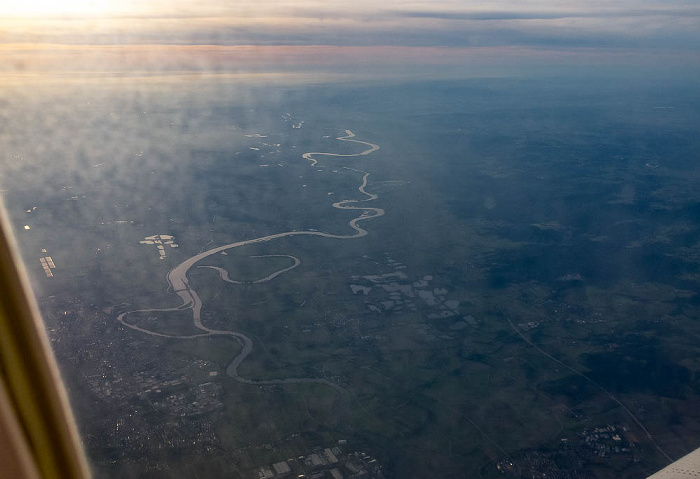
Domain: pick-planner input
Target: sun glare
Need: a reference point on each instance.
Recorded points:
(60, 8)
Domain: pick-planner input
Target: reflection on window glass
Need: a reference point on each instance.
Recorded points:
(332, 240)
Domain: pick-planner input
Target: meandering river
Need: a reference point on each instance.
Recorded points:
(190, 300)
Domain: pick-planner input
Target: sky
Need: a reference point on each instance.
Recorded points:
(218, 36)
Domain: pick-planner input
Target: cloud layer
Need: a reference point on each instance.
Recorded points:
(639, 27)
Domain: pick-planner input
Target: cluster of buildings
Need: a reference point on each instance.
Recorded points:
(571, 458)
(558, 310)
(179, 394)
(160, 242)
(528, 326)
(47, 263)
(144, 403)
(607, 441)
(324, 463)
(395, 292)
(188, 401)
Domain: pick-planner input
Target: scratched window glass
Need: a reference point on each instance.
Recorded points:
(333, 240)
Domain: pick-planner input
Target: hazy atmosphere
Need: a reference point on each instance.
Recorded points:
(459, 36)
(319, 239)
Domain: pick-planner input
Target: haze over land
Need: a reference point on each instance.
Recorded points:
(427, 240)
